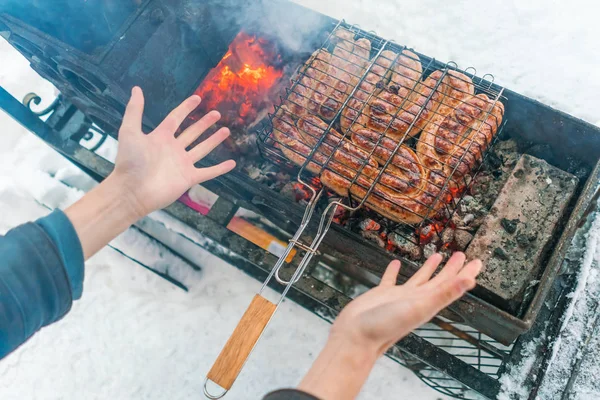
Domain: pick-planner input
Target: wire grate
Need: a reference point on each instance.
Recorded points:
(352, 117)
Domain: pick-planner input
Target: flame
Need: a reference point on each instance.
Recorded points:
(240, 85)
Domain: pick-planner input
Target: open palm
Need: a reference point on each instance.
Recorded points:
(159, 166)
(388, 312)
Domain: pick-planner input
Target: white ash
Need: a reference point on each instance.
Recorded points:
(405, 246)
(468, 219)
(373, 236)
(448, 235)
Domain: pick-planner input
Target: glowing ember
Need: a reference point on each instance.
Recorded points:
(369, 225)
(427, 233)
(301, 192)
(340, 216)
(390, 246)
(240, 85)
(454, 193)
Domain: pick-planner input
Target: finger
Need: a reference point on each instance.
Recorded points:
(206, 174)
(452, 267)
(427, 269)
(202, 149)
(132, 119)
(172, 121)
(446, 293)
(471, 270)
(391, 274)
(198, 128)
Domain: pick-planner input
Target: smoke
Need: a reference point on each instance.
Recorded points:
(296, 28)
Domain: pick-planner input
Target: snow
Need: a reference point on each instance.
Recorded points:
(578, 324)
(513, 384)
(134, 335)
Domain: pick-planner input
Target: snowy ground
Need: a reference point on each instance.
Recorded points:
(136, 336)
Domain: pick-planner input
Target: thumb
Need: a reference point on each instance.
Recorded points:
(132, 119)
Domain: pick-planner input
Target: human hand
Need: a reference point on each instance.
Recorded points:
(158, 168)
(151, 172)
(385, 314)
(373, 322)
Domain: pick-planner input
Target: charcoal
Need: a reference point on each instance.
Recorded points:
(448, 235)
(288, 191)
(406, 247)
(501, 254)
(462, 239)
(253, 172)
(509, 225)
(369, 225)
(468, 219)
(374, 236)
(536, 195)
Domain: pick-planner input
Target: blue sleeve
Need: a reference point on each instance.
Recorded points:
(62, 232)
(41, 267)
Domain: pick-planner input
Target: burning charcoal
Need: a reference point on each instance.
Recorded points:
(468, 219)
(341, 214)
(405, 246)
(295, 191)
(462, 239)
(430, 233)
(369, 225)
(429, 250)
(447, 235)
(373, 236)
(456, 219)
(509, 225)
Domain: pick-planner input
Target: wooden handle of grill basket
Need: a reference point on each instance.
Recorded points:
(237, 349)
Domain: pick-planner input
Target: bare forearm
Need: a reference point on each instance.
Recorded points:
(339, 372)
(102, 214)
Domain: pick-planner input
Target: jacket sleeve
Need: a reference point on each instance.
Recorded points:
(289, 394)
(41, 272)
